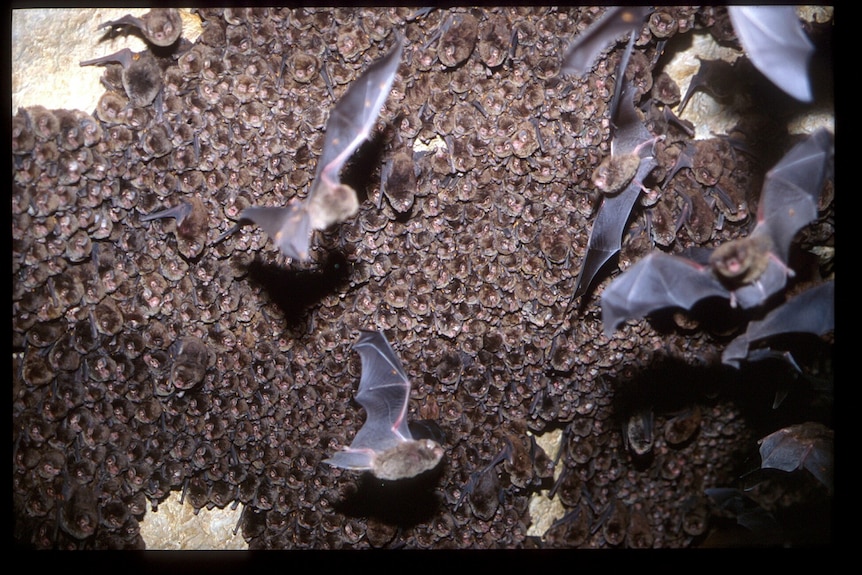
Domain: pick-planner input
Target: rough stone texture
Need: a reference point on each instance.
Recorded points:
(148, 361)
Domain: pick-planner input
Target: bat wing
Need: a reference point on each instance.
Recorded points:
(773, 39)
(808, 445)
(606, 235)
(614, 23)
(289, 228)
(812, 311)
(771, 281)
(353, 118)
(613, 214)
(792, 188)
(383, 391)
(657, 281)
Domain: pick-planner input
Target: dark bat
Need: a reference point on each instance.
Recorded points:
(807, 445)
(142, 77)
(774, 41)
(614, 23)
(160, 26)
(620, 178)
(747, 270)
(329, 201)
(812, 311)
(384, 444)
(192, 224)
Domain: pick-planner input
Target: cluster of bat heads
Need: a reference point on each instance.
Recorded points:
(747, 271)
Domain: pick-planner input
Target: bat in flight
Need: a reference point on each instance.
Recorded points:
(384, 444)
(329, 201)
(748, 270)
(620, 179)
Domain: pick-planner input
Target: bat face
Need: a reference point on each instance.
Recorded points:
(384, 444)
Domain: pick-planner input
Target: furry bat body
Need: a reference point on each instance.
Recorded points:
(748, 270)
(329, 201)
(384, 444)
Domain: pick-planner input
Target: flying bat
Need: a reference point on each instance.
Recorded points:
(812, 311)
(774, 41)
(384, 444)
(748, 270)
(617, 21)
(329, 201)
(620, 178)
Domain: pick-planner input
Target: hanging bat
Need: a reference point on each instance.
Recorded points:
(812, 311)
(384, 444)
(142, 77)
(747, 270)
(774, 41)
(160, 26)
(620, 178)
(329, 201)
(807, 445)
(614, 23)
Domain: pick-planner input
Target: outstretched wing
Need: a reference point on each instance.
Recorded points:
(656, 282)
(353, 118)
(776, 44)
(792, 188)
(383, 391)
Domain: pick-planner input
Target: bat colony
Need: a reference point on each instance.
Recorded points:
(747, 271)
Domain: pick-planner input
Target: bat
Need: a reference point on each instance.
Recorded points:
(160, 26)
(142, 77)
(812, 311)
(806, 445)
(384, 444)
(190, 214)
(774, 41)
(329, 201)
(748, 270)
(620, 177)
(614, 23)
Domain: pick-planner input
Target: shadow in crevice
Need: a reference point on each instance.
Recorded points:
(405, 503)
(295, 291)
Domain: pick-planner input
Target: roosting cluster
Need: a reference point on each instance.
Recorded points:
(157, 349)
